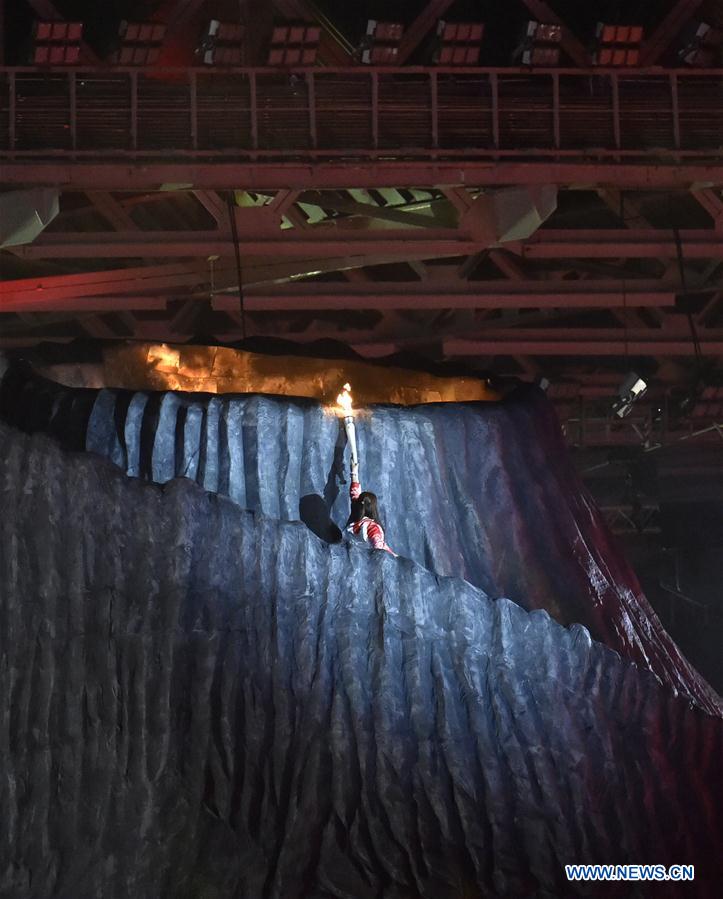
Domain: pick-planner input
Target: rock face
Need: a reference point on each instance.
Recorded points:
(481, 491)
(201, 701)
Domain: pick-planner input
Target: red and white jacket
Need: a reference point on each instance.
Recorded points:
(366, 527)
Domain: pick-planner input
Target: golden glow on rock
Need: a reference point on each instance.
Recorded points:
(344, 400)
(211, 369)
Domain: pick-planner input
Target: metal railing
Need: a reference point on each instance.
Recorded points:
(370, 113)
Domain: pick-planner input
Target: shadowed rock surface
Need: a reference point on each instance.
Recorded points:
(204, 702)
(482, 491)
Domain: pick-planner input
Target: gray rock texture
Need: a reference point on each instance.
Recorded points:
(202, 701)
(481, 491)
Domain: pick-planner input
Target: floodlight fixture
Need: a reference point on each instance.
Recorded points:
(140, 43)
(56, 43)
(222, 44)
(380, 44)
(540, 44)
(458, 43)
(294, 45)
(618, 45)
(701, 46)
(632, 389)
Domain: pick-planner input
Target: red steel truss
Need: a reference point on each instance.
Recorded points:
(321, 242)
(150, 175)
(367, 114)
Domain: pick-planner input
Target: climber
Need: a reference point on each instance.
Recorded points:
(364, 518)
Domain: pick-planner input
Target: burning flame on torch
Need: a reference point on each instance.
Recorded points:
(344, 400)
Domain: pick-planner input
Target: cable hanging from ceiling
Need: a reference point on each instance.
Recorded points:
(231, 205)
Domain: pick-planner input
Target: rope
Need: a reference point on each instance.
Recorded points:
(237, 253)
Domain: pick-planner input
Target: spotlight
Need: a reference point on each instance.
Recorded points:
(294, 45)
(380, 44)
(632, 389)
(221, 44)
(140, 43)
(57, 43)
(618, 45)
(540, 45)
(700, 398)
(459, 43)
(701, 46)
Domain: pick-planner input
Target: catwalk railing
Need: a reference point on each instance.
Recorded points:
(362, 113)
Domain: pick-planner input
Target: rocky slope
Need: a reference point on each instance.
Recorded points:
(200, 701)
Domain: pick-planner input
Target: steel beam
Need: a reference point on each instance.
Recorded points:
(572, 46)
(48, 12)
(627, 209)
(122, 302)
(676, 331)
(214, 205)
(603, 243)
(435, 296)
(181, 279)
(318, 242)
(322, 242)
(62, 291)
(571, 345)
(713, 205)
(112, 211)
(116, 288)
(659, 41)
(334, 49)
(420, 28)
(275, 175)
(176, 13)
(383, 213)
(507, 264)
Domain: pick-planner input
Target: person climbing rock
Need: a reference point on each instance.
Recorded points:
(364, 518)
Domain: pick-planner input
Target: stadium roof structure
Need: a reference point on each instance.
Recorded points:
(563, 221)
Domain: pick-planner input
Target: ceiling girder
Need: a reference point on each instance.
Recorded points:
(214, 205)
(334, 48)
(64, 291)
(711, 201)
(116, 215)
(311, 175)
(421, 27)
(48, 12)
(572, 344)
(176, 14)
(572, 46)
(323, 241)
(659, 41)
(327, 200)
(433, 295)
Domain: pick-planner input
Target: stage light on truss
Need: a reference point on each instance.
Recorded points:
(617, 45)
(701, 46)
(543, 383)
(458, 43)
(540, 45)
(380, 44)
(140, 43)
(632, 389)
(56, 43)
(222, 44)
(294, 45)
(701, 398)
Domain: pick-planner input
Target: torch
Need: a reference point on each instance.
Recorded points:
(344, 401)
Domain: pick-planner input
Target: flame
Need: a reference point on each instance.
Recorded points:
(344, 400)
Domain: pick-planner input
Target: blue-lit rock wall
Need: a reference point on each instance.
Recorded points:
(481, 491)
(200, 701)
